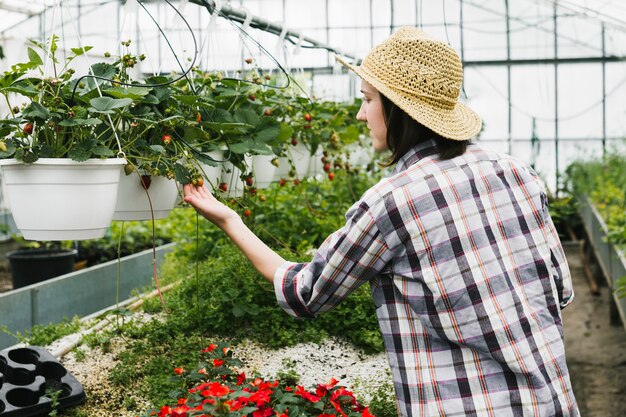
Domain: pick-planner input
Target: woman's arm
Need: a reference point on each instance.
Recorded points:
(264, 259)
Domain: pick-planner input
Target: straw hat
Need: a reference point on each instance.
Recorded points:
(423, 77)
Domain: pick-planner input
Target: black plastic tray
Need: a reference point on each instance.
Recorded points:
(26, 375)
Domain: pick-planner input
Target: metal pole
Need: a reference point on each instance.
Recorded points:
(556, 101)
(603, 93)
(391, 26)
(461, 30)
(508, 76)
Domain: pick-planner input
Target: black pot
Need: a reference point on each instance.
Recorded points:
(30, 266)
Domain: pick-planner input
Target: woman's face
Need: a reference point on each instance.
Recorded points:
(371, 112)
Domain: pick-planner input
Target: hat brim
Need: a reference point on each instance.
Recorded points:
(457, 123)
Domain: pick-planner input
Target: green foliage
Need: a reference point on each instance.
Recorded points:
(380, 396)
(42, 335)
(604, 182)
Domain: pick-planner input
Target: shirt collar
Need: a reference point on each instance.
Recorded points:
(417, 152)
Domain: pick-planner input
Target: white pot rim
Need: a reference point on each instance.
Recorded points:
(65, 161)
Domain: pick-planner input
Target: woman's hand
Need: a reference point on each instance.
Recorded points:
(264, 259)
(207, 205)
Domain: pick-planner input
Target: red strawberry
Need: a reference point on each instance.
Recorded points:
(268, 112)
(146, 180)
(296, 182)
(166, 139)
(249, 181)
(252, 97)
(282, 182)
(331, 176)
(200, 182)
(307, 126)
(198, 117)
(307, 117)
(223, 186)
(294, 141)
(249, 60)
(327, 167)
(247, 213)
(28, 128)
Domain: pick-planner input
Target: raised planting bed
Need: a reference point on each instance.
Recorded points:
(78, 293)
(611, 259)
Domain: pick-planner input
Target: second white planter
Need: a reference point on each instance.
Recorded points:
(133, 202)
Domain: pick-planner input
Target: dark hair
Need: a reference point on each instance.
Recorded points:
(404, 132)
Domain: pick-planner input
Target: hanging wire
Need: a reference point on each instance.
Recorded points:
(163, 84)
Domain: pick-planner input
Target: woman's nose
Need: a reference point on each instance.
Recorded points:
(361, 115)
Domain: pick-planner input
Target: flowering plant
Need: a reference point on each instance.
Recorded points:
(216, 389)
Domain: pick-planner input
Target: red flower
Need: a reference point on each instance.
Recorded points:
(241, 378)
(215, 389)
(180, 411)
(326, 415)
(210, 348)
(179, 371)
(366, 413)
(217, 363)
(322, 389)
(263, 412)
(166, 410)
(226, 350)
(301, 392)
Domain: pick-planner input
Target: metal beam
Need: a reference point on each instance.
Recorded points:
(543, 61)
(238, 15)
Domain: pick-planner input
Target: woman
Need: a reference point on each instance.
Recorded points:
(465, 267)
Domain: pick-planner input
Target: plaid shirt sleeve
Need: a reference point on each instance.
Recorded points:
(560, 269)
(347, 259)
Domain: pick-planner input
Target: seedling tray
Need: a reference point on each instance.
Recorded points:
(27, 375)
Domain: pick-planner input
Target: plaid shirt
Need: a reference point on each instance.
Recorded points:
(468, 276)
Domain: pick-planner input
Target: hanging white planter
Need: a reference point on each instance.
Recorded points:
(360, 153)
(282, 171)
(213, 174)
(316, 166)
(263, 170)
(300, 156)
(132, 199)
(231, 176)
(61, 199)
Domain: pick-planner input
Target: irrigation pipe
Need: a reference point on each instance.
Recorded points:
(133, 304)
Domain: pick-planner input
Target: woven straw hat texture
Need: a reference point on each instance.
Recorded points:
(422, 76)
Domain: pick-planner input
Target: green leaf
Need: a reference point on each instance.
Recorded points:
(36, 110)
(83, 150)
(107, 104)
(22, 87)
(238, 311)
(34, 57)
(130, 92)
(182, 174)
(81, 51)
(194, 134)
(151, 99)
(80, 122)
(286, 132)
(103, 151)
(247, 117)
(225, 128)
(158, 149)
(11, 148)
(250, 146)
(189, 100)
(267, 134)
